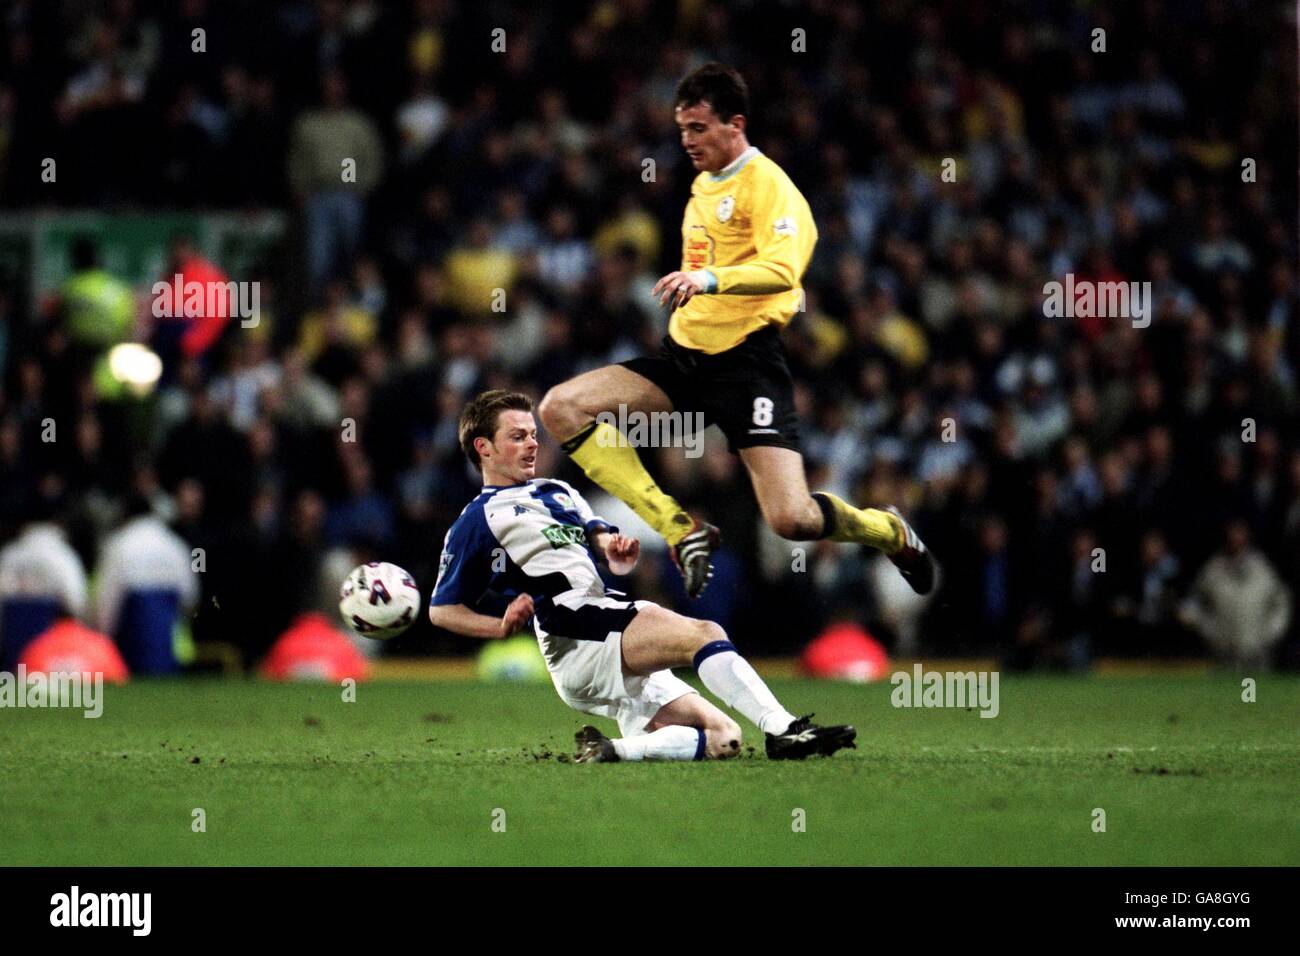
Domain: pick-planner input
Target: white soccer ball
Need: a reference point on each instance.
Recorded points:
(379, 600)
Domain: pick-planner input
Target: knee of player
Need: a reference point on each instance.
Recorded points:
(722, 741)
(706, 632)
(555, 407)
(795, 525)
(547, 408)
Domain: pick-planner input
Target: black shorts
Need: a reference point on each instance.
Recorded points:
(746, 391)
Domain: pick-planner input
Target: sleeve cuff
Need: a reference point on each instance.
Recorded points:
(711, 284)
(596, 526)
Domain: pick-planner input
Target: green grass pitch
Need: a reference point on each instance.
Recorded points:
(414, 773)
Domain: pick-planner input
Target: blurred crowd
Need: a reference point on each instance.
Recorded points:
(1090, 487)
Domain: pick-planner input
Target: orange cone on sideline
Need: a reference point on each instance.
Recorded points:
(72, 648)
(845, 652)
(314, 649)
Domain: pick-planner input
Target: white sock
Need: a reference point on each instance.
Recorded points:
(731, 677)
(666, 743)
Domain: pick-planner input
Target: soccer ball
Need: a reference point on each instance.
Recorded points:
(379, 600)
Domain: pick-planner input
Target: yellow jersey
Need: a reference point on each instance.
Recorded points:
(751, 230)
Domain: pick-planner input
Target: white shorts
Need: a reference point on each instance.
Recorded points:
(587, 669)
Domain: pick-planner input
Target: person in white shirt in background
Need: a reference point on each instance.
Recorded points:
(41, 580)
(146, 582)
(1238, 603)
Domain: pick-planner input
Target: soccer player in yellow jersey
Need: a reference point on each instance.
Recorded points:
(747, 237)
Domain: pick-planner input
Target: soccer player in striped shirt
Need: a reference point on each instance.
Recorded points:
(532, 546)
(747, 237)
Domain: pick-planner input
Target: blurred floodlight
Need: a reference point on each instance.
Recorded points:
(135, 366)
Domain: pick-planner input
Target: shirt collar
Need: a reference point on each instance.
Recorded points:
(735, 165)
(487, 488)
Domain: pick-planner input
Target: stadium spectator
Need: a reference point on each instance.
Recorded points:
(190, 332)
(336, 158)
(98, 308)
(1239, 604)
(145, 586)
(41, 579)
(479, 271)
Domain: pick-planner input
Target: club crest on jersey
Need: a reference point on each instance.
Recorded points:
(561, 535)
(726, 206)
(563, 500)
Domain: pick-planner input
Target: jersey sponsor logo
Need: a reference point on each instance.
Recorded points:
(785, 226)
(563, 535)
(726, 206)
(697, 248)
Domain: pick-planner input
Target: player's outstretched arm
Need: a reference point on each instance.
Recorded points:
(620, 551)
(459, 619)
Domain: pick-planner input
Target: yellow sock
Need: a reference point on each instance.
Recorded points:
(870, 526)
(604, 454)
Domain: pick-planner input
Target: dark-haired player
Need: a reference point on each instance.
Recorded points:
(747, 237)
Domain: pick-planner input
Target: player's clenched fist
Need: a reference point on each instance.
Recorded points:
(517, 614)
(680, 287)
(621, 553)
